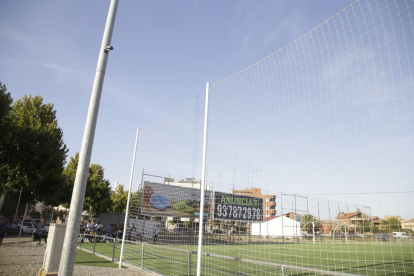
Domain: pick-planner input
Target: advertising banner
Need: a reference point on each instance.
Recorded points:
(174, 201)
(237, 207)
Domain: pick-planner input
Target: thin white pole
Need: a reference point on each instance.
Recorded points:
(346, 234)
(67, 262)
(129, 199)
(313, 230)
(202, 187)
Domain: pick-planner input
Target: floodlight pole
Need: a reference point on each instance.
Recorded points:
(129, 199)
(67, 261)
(203, 184)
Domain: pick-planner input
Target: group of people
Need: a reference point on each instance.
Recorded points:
(97, 230)
(134, 235)
(112, 231)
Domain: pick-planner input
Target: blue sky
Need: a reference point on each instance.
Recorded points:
(165, 52)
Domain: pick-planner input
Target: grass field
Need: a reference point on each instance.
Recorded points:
(85, 258)
(358, 258)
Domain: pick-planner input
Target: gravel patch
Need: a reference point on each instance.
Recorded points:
(25, 259)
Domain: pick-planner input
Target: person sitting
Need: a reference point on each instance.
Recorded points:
(134, 234)
(155, 235)
(80, 238)
(120, 232)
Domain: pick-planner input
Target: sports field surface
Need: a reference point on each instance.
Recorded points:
(358, 258)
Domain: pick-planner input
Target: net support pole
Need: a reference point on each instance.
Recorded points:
(203, 184)
(129, 199)
(67, 263)
(313, 231)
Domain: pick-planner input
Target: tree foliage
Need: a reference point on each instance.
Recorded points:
(391, 224)
(34, 155)
(97, 196)
(363, 227)
(5, 108)
(309, 223)
(119, 200)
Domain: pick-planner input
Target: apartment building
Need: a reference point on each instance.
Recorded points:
(408, 224)
(269, 201)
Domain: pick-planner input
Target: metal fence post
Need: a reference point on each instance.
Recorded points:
(113, 250)
(142, 257)
(94, 244)
(189, 263)
(282, 270)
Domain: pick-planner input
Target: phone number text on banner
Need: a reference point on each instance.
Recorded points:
(237, 207)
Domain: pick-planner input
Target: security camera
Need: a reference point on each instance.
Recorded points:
(108, 48)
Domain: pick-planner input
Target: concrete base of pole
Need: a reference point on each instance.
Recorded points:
(43, 272)
(53, 252)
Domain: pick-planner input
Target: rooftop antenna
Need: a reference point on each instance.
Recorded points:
(234, 173)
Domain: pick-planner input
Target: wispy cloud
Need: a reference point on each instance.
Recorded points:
(246, 49)
(292, 26)
(129, 99)
(30, 42)
(195, 5)
(280, 22)
(14, 34)
(65, 69)
(49, 52)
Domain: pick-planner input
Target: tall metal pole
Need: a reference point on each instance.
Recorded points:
(67, 261)
(202, 187)
(22, 222)
(18, 204)
(129, 199)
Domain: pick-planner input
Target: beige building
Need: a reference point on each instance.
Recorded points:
(376, 221)
(354, 218)
(397, 217)
(408, 224)
(269, 201)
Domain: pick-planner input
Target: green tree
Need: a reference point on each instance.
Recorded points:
(363, 227)
(119, 200)
(34, 155)
(97, 196)
(308, 223)
(5, 108)
(374, 229)
(391, 225)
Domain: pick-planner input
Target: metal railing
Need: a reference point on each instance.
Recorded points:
(86, 238)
